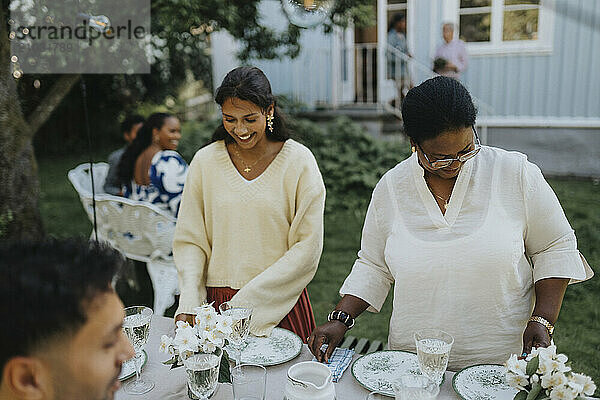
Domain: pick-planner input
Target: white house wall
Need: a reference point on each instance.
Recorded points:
(564, 82)
(308, 77)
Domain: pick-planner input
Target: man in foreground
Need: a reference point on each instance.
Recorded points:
(61, 335)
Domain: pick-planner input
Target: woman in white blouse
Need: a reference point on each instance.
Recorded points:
(472, 237)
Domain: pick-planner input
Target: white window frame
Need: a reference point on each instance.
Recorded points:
(497, 46)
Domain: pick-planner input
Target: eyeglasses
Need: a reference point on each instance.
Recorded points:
(446, 162)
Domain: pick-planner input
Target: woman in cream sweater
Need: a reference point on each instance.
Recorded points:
(250, 226)
(472, 237)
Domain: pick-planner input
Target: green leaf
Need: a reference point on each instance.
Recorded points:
(224, 372)
(171, 361)
(532, 366)
(536, 388)
(522, 395)
(176, 365)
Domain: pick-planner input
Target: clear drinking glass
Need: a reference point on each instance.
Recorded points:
(249, 382)
(415, 387)
(433, 351)
(202, 371)
(136, 326)
(241, 315)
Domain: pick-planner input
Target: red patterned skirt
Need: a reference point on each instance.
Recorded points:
(299, 320)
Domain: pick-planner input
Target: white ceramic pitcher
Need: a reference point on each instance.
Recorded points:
(309, 380)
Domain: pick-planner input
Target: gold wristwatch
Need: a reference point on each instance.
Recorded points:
(544, 322)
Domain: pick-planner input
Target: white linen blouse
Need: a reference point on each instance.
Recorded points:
(470, 271)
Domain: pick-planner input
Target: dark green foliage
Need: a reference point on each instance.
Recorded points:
(536, 388)
(522, 395)
(224, 371)
(350, 160)
(194, 136)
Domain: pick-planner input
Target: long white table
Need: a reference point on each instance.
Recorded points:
(171, 384)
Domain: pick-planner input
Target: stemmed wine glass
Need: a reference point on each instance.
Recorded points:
(240, 315)
(137, 327)
(433, 351)
(203, 372)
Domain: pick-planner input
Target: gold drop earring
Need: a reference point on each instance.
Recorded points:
(270, 122)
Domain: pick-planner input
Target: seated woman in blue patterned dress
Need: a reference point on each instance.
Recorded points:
(151, 169)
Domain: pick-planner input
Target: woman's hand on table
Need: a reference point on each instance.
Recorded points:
(189, 318)
(535, 335)
(330, 333)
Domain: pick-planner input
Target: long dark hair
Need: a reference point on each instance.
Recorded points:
(250, 84)
(140, 143)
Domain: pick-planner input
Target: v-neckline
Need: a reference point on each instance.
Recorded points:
(447, 219)
(251, 186)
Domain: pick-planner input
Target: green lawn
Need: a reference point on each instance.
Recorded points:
(578, 329)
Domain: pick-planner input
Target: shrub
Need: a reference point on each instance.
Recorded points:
(351, 161)
(194, 136)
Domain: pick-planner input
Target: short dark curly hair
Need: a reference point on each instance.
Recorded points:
(46, 287)
(437, 105)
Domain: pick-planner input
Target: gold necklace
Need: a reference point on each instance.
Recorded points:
(445, 205)
(247, 168)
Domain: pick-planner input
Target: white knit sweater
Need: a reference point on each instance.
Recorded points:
(264, 237)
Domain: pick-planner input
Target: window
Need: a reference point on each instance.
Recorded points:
(501, 26)
(520, 20)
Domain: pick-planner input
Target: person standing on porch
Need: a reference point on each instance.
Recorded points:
(397, 67)
(250, 226)
(451, 57)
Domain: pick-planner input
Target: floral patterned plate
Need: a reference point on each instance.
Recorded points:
(483, 382)
(282, 346)
(128, 368)
(377, 371)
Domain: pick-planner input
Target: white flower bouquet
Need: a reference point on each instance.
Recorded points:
(544, 374)
(211, 330)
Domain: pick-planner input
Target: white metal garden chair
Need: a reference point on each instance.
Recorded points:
(139, 230)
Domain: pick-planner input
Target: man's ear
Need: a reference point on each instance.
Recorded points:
(26, 378)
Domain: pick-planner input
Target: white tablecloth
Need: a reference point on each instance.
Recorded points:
(171, 384)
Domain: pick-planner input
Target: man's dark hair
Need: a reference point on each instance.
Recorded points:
(438, 105)
(130, 121)
(46, 288)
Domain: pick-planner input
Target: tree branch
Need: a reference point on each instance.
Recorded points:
(54, 97)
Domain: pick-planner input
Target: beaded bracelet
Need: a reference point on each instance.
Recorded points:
(342, 316)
